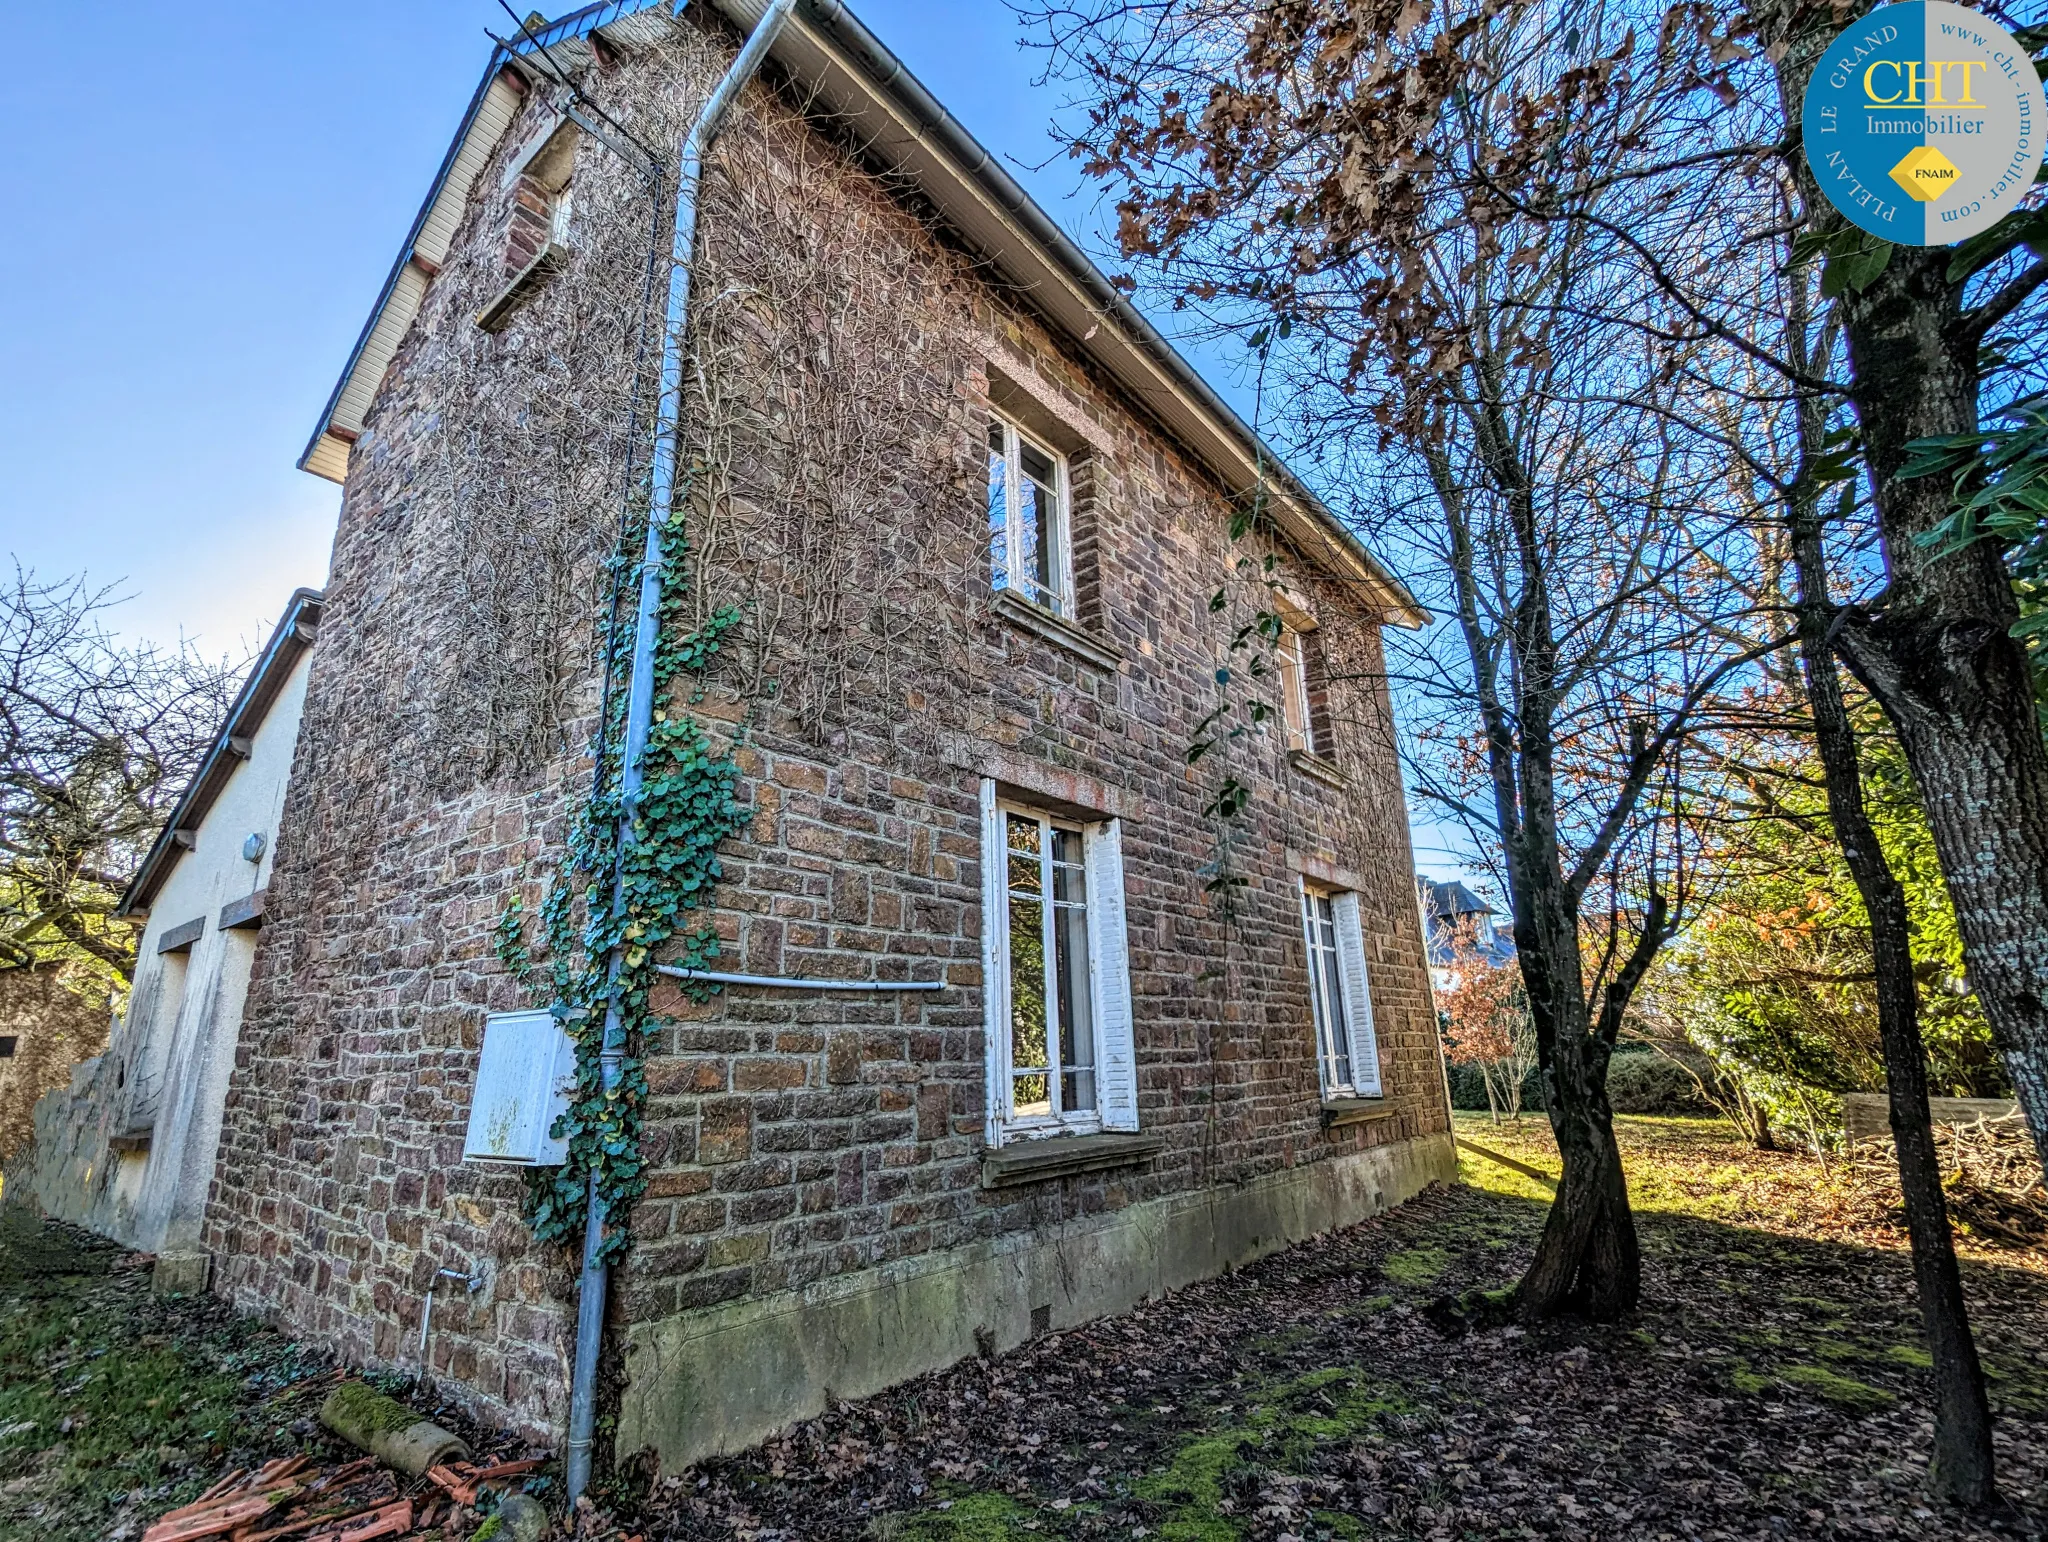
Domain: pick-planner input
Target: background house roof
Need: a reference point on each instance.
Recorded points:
(293, 635)
(848, 72)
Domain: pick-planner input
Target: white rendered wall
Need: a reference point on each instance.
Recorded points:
(185, 1039)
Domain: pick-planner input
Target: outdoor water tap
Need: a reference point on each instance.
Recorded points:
(472, 1282)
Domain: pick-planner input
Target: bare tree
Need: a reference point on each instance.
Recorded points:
(99, 738)
(1536, 481)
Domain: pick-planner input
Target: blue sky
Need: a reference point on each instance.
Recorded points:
(214, 197)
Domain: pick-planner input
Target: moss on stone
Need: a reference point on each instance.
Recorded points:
(1910, 1354)
(355, 1406)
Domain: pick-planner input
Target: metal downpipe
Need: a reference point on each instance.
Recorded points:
(640, 700)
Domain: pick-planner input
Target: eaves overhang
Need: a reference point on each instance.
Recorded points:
(294, 634)
(484, 121)
(847, 72)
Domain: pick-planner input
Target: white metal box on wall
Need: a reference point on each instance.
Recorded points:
(525, 1079)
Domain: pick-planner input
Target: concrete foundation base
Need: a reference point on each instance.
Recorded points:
(727, 1377)
(181, 1274)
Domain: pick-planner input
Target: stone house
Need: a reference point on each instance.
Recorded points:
(128, 1147)
(963, 513)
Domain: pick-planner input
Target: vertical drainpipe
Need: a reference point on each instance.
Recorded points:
(640, 697)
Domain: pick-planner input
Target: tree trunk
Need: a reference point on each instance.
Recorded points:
(1587, 1260)
(1941, 660)
(1961, 1468)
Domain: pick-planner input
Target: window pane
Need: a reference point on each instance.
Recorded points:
(1293, 689)
(1070, 973)
(1026, 873)
(998, 509)
(1037, 557)
(1028, 1049)
(1339, 1034)
(1077, 1019)
(1029, 1098)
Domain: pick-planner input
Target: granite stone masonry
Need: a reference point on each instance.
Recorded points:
(823, 1211)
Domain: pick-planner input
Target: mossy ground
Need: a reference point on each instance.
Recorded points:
(115, 1402)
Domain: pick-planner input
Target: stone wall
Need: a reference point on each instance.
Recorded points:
(796, 1141)
(56, 1027)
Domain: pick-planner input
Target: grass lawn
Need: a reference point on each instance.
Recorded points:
(116, 1404)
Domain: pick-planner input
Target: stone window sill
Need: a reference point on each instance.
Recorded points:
(1319, 768)
(1064, 1156)
(524, 286)
(1337, 1111)
(1057, 630)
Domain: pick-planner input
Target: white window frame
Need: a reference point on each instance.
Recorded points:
(1346, 1017)
(1290, 655)
(1108, 978)
(1060, 601)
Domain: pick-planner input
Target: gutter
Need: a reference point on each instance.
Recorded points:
(893, 79)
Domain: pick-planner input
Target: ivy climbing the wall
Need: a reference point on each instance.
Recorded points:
(667, 876)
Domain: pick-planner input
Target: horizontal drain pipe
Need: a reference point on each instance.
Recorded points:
(791, 983)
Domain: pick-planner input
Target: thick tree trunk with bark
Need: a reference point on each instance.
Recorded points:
(1587, 1260)
(1961, 1468)
(1941, 660)
(1939, 656)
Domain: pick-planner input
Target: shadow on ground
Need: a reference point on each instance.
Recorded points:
(1772, 1386)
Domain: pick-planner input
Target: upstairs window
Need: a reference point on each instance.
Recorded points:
(1304, 706)
(1340, 998)
(1058, 971)
(1030, 550)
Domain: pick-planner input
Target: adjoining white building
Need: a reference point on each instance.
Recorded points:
(128, 1149)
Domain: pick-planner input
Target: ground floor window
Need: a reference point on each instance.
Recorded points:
(1340, 997)
(1059, 1017)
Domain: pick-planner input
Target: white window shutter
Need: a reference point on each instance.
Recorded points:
(1116, 1074)
(995, 968)
(1365, 1049)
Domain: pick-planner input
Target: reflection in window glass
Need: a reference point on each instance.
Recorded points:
(999, 505)
(1052, 1023)
(1026, 518)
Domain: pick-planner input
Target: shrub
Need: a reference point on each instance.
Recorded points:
(1645, 1082)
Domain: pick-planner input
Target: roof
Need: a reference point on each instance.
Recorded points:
(1447, 902)
(1451, 898)
(293, 636)
(846, 70)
